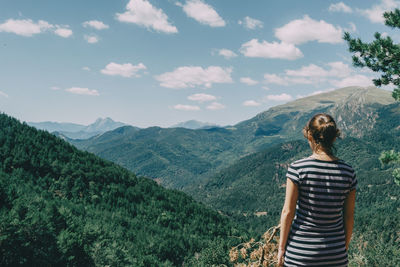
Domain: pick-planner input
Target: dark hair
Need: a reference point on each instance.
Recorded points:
(323, 130)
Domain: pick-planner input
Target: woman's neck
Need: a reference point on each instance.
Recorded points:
(322, 155)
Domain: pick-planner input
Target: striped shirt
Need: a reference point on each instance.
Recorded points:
(317, 236)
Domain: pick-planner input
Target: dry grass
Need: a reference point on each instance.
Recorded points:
(262, 253)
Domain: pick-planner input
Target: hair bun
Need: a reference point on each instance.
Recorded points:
(323, 130)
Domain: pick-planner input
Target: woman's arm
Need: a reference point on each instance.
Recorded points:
(288, 211)
(348, 215)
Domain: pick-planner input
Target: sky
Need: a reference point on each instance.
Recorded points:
(161, 62)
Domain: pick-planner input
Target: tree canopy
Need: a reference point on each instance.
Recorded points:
(381, 55)
(63, 207)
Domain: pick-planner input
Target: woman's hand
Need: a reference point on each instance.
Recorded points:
(281, 253)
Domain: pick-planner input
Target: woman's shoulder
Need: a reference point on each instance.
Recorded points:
(307, 161)
(302, 161)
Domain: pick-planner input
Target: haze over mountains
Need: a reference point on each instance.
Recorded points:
(102, 125)
(194, 124)
(78, 131)
(177, 157)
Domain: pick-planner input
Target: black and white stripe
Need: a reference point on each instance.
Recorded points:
(317, 235)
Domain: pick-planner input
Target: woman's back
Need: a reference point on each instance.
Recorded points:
(317, 235)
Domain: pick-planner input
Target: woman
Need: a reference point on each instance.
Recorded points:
(320, 197)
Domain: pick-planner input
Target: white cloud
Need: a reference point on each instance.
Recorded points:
(124, 70)
(321, 91)
(275, 79)
(340, 7)
(366, 70)
(299, 80)
(191, 76)
(337, 69)
(202, 97)
(63, 32)
(248, 81)
(82, 91)
(251, 23)
(2, 94)
(265, 87)
(352, 27)
(311, 74)
(251, 103)
(186, 107)
(281, 50)
(304, 30)
(228, 54)
(215, 106)
(55, 88)
(281, 97)
(96, 24)
(25, 27)
(375, 13)
(91, 39)
(308, 71)
(28, 28)
(202, 12)
(86, 68)
(354, 80)
(143, 13)
(336, 74)
(285, 80)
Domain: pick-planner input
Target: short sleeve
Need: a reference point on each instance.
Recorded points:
(354, 182)
(293, 174)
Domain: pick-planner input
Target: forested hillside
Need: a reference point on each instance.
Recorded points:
(252, 190)
(179, 157)
(63, 207)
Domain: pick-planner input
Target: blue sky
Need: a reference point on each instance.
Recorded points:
(160, 62)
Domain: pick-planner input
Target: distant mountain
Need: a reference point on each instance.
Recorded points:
(194, 124)
(177, 157)
(173, 156)
(255, 183)
(353, 107)
(63, 207)
(77, 131)
(103, 125)
(51, 126)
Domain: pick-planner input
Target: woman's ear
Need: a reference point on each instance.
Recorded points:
(309, 137)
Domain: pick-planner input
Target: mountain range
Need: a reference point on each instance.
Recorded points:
(179, 157)
(194, 124)
(78, 131)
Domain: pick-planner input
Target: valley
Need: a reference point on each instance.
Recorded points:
(239, 171)
(179, 157)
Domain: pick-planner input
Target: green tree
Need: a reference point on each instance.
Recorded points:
(392, 157)
(383, 56)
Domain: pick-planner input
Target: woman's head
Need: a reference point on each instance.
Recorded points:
(321, 131)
